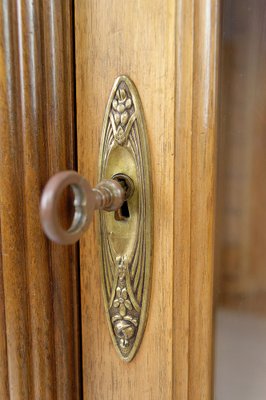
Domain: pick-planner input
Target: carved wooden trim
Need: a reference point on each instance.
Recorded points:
(39, 342)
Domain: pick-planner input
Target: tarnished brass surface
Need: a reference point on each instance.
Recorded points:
(126, 235)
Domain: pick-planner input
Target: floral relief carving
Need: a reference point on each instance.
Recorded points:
(122, 301)
(124, 324)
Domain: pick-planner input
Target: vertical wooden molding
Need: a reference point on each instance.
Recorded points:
(203, 185)
(197, 31)
(182, 196)
(38, 281)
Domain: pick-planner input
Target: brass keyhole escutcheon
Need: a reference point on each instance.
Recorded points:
(126, 234)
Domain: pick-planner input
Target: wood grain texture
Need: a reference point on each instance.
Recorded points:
(195, 172)
(4, 389)
(169, 49)
(182, 199)
(38, 280)
(136, 39)
(203, 185)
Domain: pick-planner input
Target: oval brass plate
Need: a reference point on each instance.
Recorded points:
(126, 237)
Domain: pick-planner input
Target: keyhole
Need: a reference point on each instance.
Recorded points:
(122, 214)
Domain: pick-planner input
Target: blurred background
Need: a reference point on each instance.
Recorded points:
(240, 266)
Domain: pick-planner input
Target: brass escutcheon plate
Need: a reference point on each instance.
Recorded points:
(126, 236)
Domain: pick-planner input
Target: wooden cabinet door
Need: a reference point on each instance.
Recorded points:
(58, 63)
(169, 50)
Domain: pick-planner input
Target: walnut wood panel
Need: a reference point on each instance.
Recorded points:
(137, 39)
(39, 319)
(169, 49)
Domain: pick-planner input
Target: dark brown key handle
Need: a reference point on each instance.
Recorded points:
(108, 195)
